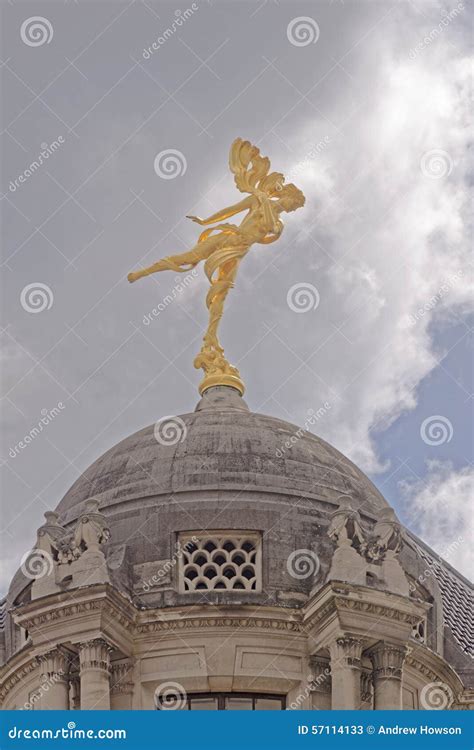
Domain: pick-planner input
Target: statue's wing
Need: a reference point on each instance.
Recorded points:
(247, 165)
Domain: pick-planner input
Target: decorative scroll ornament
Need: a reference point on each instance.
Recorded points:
(222, 247)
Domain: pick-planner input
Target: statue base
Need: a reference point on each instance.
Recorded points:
(221, 379)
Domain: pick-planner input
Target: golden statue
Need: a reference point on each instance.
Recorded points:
(222, 252)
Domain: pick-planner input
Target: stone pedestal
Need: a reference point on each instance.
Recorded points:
(345, 671)
(394, 576)
(321, 683)
(54, 686)
(89, 568)
(94, 658)
(347, 565)
(387, 660)
(121, 686)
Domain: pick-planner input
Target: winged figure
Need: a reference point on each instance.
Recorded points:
(222, 247)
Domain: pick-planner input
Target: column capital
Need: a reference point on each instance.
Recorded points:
(347, 651)
(387, 660)
(54, 664)
(95, 654)
(121, 681)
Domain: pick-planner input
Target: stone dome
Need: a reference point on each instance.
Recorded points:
(221, 446)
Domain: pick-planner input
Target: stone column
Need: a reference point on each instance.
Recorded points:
(320, 683)
(94, 659)
(366, 690)
(387, 661)
(345, 671)
(75, 692)
(121, 686)
(54, 686)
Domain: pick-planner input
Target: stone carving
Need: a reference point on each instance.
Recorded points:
(346, 530)
(386, 538)
(361, 554)
(75, 557)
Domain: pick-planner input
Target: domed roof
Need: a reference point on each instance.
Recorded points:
(221, 446)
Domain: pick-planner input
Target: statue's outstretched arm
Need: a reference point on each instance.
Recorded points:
(224, 213)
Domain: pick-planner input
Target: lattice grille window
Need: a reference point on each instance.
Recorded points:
(221, 561)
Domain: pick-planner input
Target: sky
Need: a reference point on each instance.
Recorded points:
(364, 306)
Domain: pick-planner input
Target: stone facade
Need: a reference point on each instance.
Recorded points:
(242, 556)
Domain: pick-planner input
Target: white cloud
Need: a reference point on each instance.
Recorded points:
(398, 238)
(440, 509)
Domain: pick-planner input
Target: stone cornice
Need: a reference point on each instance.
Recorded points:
(336, 598)
(426, 662)
(103, 599)
(18, 675)
(220, 622)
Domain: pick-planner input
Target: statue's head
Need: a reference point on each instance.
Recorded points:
(290, 197)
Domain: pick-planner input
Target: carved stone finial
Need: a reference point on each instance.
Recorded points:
(345, 529)
(386, 537)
